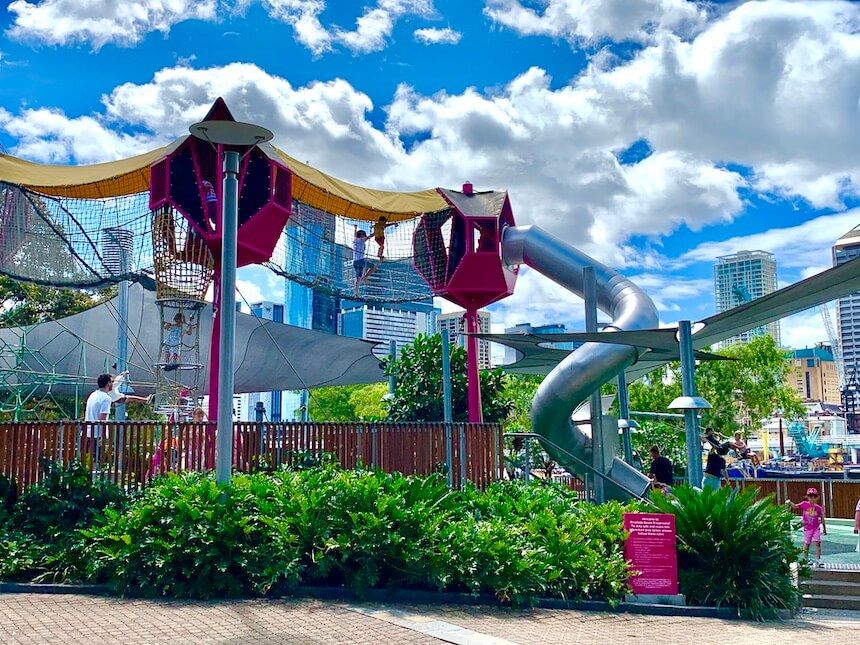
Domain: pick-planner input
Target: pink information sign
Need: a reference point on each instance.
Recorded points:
(651, 551)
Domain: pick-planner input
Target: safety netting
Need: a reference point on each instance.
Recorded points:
(69, 241)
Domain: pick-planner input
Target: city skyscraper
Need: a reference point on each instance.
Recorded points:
(400, 322)
(272, 401)
(740, 278)
(454, 324)
(847, 248)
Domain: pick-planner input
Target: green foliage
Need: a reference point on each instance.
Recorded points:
(753, 383)
(187, 536)
(520, 390)
(733, 550)
(40, 538)
(668, 437)
(65, 499)
(26, 303)
(344, 403)
(418, 395)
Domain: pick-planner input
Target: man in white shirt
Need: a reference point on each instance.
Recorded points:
(98, 409)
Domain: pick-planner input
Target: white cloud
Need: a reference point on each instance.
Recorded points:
(99, 22)
(802, 248)
(803, 330)
(373, 28)
(595, 20)
(436, 36)
(304, 17)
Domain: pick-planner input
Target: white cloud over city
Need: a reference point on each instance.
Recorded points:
(760, 96)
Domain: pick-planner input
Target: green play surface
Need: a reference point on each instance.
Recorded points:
(839, 546)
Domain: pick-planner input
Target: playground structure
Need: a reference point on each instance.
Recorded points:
(157, 219)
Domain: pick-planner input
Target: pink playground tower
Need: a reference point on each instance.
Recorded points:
(190, 179)
(467, 267)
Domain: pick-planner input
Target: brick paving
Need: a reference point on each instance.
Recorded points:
(74, 620)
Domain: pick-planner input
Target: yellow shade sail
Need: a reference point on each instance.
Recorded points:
(130, 176)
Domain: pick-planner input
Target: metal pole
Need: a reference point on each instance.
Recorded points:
(392, 357)
(473, 376)
(229, 226)
(447, 406)
(624, 412)
(122, 331)
(781, 439)
(527, 466)
(589, 289)
(688, 388)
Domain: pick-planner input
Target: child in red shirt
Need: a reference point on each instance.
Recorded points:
(814, 525)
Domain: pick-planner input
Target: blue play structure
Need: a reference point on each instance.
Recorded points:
(808, 442)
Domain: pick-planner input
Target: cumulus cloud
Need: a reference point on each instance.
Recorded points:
(304, 17)
(802, 248)
(595, 20)
(374, 26)
(99, 22)
(436, 36)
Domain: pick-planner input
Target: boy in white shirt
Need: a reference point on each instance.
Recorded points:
(98, 408)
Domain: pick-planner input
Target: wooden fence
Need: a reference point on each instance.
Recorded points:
(838, 497)
(132, 453)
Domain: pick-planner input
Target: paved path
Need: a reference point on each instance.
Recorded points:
(30, 618)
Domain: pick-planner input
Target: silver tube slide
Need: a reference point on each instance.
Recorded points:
(592, 364)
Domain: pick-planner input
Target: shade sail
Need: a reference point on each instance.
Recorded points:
(269, 355)
(130, 176)
(660, 345)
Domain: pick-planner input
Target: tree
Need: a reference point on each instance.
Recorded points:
(753, 384)
(348, 403)
(668, 437)
(25, 303)
(418, 395)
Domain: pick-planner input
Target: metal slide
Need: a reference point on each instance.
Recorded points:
(592, 364)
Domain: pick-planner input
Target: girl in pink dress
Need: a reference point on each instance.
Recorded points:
(814, 525)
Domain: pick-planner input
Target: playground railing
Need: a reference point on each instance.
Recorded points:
(131, 453)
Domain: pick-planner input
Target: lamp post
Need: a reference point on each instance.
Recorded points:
(690, 403)
(229, 137)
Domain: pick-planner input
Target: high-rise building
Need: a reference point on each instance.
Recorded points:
(273, 402)
(401, 322)
(740, 278)
(813, 375)
(847, 248)
(538, 330)
(454, 324)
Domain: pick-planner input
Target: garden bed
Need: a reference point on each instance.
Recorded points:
(367, 533)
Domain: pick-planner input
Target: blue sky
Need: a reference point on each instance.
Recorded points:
(655, 135)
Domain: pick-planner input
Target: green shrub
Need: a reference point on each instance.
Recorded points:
(189, 537)
(733, 550)
(40, 539)
(67, 498)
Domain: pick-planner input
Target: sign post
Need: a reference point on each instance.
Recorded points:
(651, 551)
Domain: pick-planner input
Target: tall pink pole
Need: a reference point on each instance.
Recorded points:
(472, 373)
(215, 348)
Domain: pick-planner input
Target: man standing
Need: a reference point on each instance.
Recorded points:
(715, 471)
(661, 468)
(98, 409)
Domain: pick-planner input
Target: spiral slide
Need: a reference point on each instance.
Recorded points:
(589, 366)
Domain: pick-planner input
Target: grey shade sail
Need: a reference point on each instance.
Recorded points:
(269, 355)
(658, 346)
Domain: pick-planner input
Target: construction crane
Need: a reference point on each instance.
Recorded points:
(835, 346)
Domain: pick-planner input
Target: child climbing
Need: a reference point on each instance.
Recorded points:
(173, 339)
(211, 201)
(363, 269)
(814, 525)
(379, 234)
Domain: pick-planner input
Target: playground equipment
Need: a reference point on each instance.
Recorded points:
(808, 443)
(155, 219)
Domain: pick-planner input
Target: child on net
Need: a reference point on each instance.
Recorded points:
(379, 234)
(173, 339)
(814, 525)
